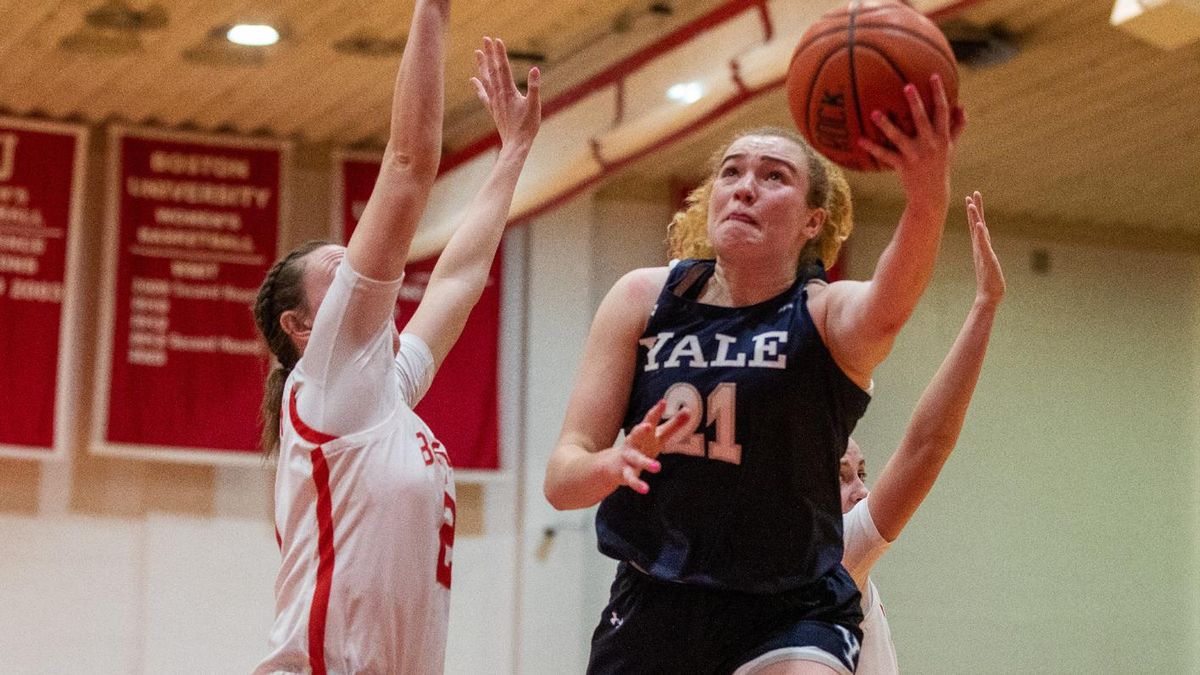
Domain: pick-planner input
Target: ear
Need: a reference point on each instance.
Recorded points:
(293, 323)
(816, 221)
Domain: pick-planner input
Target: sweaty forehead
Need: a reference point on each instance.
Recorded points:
(327, 257)
(774, 146)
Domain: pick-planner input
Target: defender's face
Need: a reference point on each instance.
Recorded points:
(853, 477)
(319, 268)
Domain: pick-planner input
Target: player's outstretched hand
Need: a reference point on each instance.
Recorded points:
(624, 464)
(989, 277)
(517, 115)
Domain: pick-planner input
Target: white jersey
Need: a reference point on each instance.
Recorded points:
(364, 498)
(864, 546)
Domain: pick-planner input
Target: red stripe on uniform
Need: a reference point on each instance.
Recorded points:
(325, 553)
(319, 611)
(306, 432)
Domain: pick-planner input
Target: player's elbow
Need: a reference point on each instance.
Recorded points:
(555, 494)
(409, 165)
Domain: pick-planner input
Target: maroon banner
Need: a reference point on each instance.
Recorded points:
(194, 226)
(462, 405)
(41, 171)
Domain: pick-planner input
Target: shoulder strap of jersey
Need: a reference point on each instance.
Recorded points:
(688, 278)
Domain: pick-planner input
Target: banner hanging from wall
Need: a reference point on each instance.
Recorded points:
(462, 405)
(193, 227)
(41, 198)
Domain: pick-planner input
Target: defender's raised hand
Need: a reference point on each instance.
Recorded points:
(989, 277)
(517, 115)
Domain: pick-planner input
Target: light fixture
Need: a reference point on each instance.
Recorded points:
(253, 35)
(1166, 24)
(685, 92)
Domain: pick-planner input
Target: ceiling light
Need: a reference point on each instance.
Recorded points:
(1166, 24)
(685, 92)
(253, 35)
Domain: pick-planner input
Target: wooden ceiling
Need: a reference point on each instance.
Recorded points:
(1086, 133)
(56, 61)
(1085, 126)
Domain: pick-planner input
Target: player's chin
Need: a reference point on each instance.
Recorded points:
(741, 244)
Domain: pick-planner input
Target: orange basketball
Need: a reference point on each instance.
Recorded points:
(857, 59)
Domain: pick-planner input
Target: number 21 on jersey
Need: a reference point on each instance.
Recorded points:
(719, 409)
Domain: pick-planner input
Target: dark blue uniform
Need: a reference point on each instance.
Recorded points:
(742, 528)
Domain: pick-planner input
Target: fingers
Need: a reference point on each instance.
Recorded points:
(630, 477)
(503, 67)
(634, 463)
(481, 66)
(975, 210)
(480, 92)
(495, 55)
(881, 154)
(533, 88)
(917, 107)
(667, 430)
(941, 105)
(655, 413)
(890, 131)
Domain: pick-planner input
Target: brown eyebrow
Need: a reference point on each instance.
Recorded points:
(778, 160)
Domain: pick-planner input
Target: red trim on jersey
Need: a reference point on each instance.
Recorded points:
(320, 604)
(319, 611)
(306, 432)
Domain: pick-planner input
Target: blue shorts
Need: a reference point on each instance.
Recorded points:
(659, 627)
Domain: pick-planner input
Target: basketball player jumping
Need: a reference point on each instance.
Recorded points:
(364, 494)
(731, 543)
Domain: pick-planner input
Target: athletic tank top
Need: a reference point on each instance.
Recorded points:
(750, 499)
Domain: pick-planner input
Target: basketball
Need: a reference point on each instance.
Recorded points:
(856, 59)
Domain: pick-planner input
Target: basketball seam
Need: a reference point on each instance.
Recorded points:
(806, 38)
(903, 30)
(850, 26)
(813, 84)
(886, 58)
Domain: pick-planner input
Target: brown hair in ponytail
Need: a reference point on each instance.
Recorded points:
(281, 290)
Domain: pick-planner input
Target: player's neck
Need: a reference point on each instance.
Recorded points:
(743, 285)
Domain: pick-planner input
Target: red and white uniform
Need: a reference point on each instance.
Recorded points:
(864, 545)
(364, 498)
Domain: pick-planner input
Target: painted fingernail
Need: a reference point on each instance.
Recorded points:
(910, 88)
(877, 115)
(643, 489)
(655, 467)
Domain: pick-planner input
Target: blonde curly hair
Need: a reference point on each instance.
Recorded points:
(687, 235)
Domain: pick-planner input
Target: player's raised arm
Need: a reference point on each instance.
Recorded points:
(933, 430)
(462, 270)
(379, 247)
(862, 319)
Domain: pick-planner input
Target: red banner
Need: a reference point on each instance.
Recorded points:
(41, 174)
(194, 226)
(461, 407)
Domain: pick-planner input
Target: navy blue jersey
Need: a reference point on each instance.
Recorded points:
(750, 499)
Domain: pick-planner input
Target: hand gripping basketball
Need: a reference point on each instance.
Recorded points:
(923, 159)
(856, 59)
